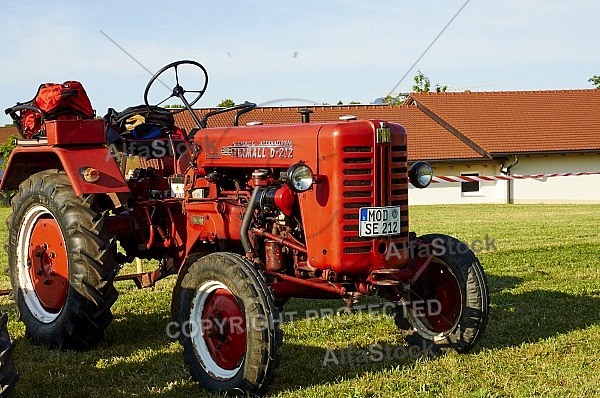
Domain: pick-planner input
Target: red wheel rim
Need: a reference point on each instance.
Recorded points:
(224, 329)
(440, 290)
(49, 267)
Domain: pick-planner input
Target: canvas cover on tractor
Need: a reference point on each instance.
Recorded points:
(65, 101)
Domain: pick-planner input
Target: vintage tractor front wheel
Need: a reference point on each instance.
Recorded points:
(448, 307)
(228, 331)
(61, 263)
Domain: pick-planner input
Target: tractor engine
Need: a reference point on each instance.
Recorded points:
(306, 185)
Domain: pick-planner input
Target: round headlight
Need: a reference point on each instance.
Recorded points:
(420, 174)
(300, 177)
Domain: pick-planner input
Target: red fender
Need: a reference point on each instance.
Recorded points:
(25, 161)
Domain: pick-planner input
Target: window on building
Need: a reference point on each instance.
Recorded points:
(467, 187)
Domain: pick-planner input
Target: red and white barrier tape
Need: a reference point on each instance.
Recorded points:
(505, 178)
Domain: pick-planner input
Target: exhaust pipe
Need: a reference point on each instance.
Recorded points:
(305, 115)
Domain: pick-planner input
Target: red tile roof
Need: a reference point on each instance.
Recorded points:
(6, 132)
(457, 126)
(520, 121)
(426, 138)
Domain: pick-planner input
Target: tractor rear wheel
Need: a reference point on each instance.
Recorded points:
(229, 337)
(61, 263)
(8, 374)
(449, 303)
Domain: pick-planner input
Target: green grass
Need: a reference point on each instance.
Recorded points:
(543, 336)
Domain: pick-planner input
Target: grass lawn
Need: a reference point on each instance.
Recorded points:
(543, 336)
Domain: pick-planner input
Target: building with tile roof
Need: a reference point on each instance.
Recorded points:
(505, 123)
(524, 133)
(481, 134)
(432, 143)
(476, 134)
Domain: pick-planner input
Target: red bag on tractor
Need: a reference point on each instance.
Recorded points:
(66, 101)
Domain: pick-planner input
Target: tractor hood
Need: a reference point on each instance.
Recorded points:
(258, 146)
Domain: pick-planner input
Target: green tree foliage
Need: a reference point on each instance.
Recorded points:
(423, 84)
(595, 80)
(174, 106)
(393, 100)
(226, 103)
(7, 148)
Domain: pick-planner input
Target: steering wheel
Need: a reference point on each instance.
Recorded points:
(178, 90)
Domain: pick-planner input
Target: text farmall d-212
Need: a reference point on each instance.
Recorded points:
(245, 216)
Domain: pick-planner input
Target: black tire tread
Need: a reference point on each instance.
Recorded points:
(8, 373)
(177, 287)
(92, 263)
(477, 303)
(250, 284)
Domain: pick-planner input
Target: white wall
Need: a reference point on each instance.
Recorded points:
(580, 189)
(450, 193)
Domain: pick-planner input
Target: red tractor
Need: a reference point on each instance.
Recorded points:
(245, 216)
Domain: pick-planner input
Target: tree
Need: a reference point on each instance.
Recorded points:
(440, 89)
(423, 84)
(7, 148)
(340, 102)
(354, 102)
(5, 151)
(226, 103)
(174, 106)
(595, 80)
(393, 99)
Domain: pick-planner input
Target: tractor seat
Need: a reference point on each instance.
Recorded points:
(142, 131)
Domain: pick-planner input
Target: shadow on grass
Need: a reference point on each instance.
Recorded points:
(534, 315)
(138, 358)
(515, 318)
(307, 366)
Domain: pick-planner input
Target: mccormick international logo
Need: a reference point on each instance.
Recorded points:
(384, 134)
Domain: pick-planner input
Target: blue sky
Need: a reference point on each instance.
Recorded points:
(346, 50)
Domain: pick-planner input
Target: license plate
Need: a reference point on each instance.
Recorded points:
(379, 221)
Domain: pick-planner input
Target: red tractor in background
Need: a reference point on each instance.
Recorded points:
(245, 216)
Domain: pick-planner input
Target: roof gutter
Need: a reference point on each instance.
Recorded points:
(558, 152)
(451, 160)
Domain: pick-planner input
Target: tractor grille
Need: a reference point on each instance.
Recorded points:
(399, 184)
(373, 175)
